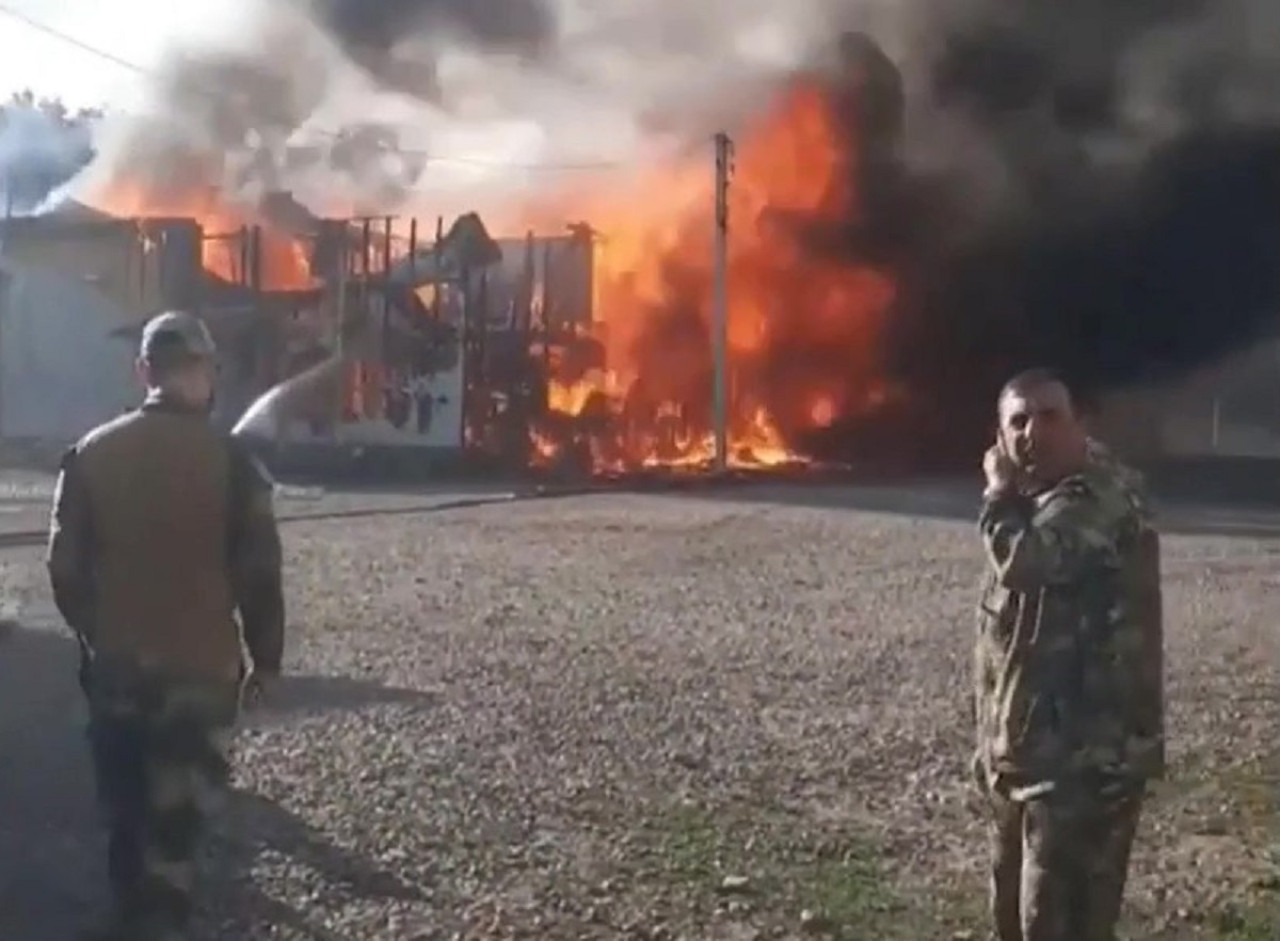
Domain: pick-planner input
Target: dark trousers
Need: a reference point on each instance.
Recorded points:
(1059, 864)
(160, 757)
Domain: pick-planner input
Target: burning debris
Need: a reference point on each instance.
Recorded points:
(803, 325)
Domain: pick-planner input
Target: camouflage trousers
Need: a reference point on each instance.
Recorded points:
(1060, 863)
(161, 763)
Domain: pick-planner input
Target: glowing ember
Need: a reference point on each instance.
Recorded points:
(823, 412)
(803, 325)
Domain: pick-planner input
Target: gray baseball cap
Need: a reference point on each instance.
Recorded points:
(176, 332)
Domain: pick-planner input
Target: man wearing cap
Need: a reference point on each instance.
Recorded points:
(162, 530)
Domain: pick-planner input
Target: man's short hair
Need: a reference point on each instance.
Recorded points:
(1083, 402)
(1035, 378)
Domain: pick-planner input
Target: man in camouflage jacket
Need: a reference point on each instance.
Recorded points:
(1068, 668)
(162, 531)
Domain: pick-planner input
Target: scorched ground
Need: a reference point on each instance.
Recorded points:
(645, 717)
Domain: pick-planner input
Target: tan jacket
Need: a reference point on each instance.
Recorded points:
(162, 530)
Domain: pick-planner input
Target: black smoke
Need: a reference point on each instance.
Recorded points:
(1124, 227)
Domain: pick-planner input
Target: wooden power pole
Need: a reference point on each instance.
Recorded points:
(720, 301)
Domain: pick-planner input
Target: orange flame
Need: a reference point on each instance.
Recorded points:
(802, 328)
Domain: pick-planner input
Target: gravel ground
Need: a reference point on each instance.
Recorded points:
(651, 717)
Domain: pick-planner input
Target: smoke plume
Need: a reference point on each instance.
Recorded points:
(1094, 186)
(41, 147)
(366, 107)
(399, 41)
(241, 116)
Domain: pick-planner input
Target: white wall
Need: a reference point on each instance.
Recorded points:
(443, 430)
(1246, 422)
(61, 372)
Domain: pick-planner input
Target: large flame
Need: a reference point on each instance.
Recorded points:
(803, 322)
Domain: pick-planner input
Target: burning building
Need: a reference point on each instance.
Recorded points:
(879, 296)
(903, 233)
(441, 356)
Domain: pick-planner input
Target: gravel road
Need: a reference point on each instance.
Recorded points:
(732, 716)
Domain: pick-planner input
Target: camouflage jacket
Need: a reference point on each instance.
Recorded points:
(1068, 654)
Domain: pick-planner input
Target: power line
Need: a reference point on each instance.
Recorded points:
(323, 132)
(71, 40)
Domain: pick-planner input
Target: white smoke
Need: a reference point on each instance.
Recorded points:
(429, 106)
(41, 147)
(281, 103)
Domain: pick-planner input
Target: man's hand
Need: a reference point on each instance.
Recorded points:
(256, 690)
(1000, 470)
(84, 672)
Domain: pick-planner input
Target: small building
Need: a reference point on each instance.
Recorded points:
(76, 287)
(445, 366)
(62, 370)
(1229, 408)
(68, 284)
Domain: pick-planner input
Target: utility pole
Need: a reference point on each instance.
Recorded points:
(720, 301)
(345, 368)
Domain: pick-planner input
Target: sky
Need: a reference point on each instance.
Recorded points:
(133, 30)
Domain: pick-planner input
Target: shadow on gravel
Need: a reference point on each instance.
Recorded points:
(931, 499)
(51, 866)
(236, 907)
(52, 851)
(314, 694)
